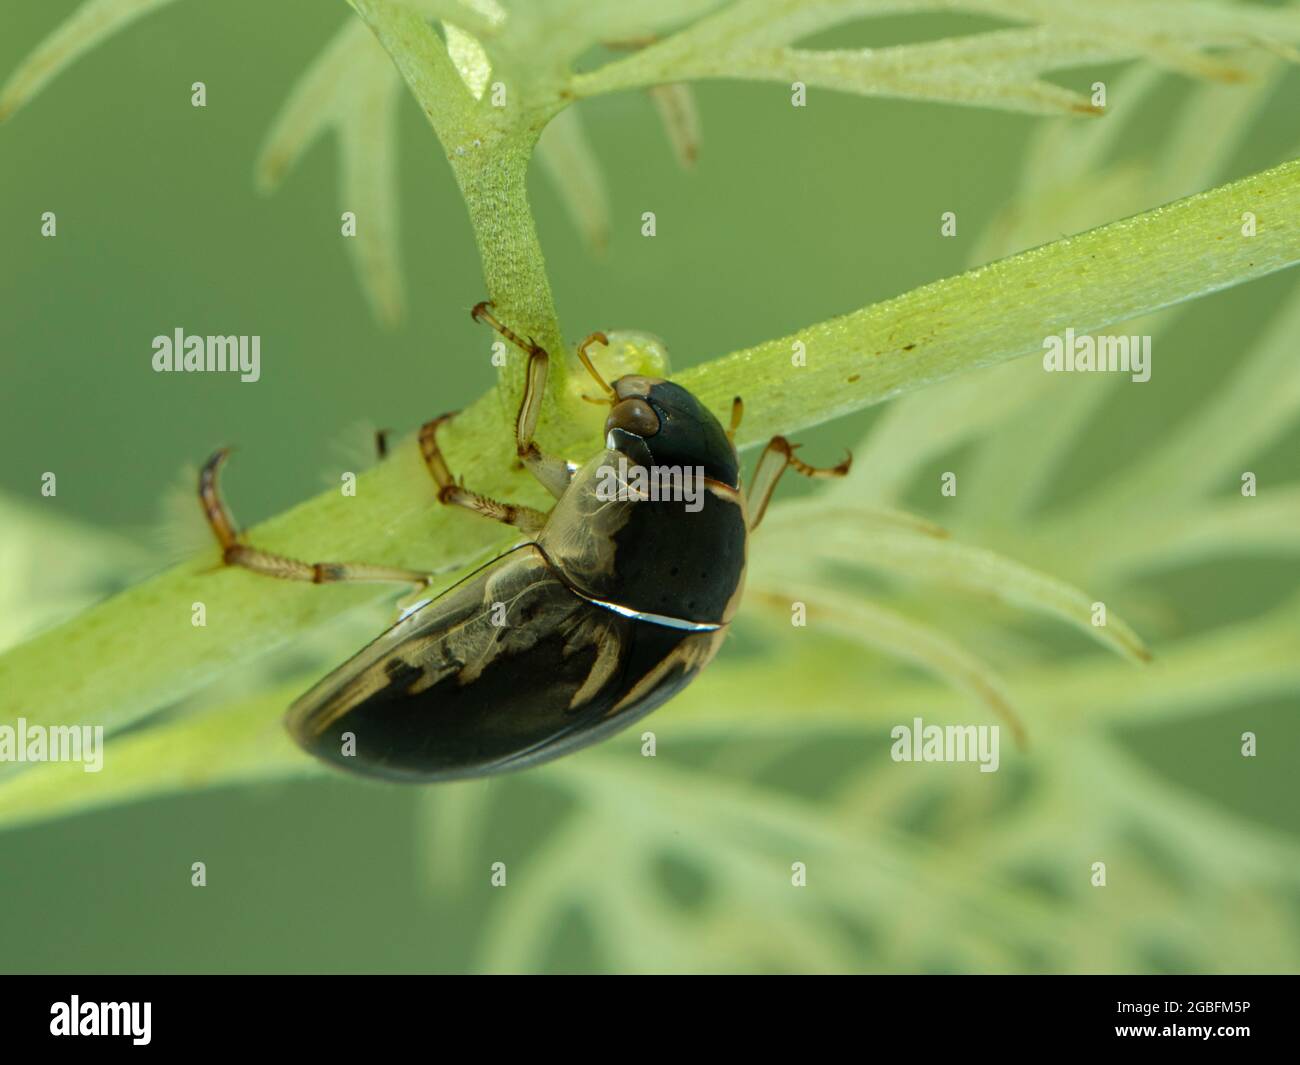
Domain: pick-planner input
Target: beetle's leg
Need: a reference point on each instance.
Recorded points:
(449, 491)
(596, 338)
(554, 473)
(480, 313)
(234, 553)
(777, 457)
(737, 412)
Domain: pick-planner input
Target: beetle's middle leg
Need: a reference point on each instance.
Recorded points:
(454, 493)
(554, 473)
(235, 553)
(778, 457)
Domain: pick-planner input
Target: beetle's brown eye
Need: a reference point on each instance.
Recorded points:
(635, 416)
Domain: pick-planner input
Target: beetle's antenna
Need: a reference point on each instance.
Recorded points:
(591, 369)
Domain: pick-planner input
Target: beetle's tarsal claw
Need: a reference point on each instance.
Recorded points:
(596, 338)
(480, 310)
(214, 463)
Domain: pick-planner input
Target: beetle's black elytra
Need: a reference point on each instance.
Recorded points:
(439, 695)
(610, 607)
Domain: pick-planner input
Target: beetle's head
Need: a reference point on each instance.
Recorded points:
(655, 422)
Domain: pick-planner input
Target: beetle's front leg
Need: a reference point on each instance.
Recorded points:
(450, 491)
(234, 553)
(554, 474)
(777, 457)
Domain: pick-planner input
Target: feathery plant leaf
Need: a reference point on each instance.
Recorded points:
(745, 39)
(885, 630)
(681, 121)
(353, 88)
(942, 560)
(567, 155)
(985, 856)
(91, 24)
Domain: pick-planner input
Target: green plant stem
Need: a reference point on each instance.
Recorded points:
(239, 742)
(1111, 274)
(495, 189)
(489, 148)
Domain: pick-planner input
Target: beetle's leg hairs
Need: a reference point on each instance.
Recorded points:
(553, 473)
(455, 494)
(777, 457)
(235, 553)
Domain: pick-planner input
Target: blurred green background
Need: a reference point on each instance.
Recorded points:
(791, 216)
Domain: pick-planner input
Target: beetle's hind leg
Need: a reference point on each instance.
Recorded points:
(777, 457)
(553, 473)
(450, 491)
(236, 553)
